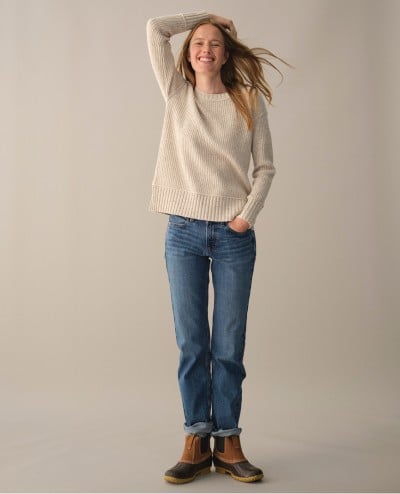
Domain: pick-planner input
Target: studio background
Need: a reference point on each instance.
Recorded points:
(88, 360)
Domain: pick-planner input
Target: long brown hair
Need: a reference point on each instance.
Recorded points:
(242, 71)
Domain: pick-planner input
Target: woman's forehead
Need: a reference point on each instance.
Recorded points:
(208, 31)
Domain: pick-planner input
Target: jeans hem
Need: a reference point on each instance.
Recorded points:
(199, 428)
(227, 432)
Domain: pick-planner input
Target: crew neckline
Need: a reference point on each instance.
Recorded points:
(211, 96)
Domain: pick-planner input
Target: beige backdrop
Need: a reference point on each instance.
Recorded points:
(88, 361)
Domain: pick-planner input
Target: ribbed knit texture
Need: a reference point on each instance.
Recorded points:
(205, 149)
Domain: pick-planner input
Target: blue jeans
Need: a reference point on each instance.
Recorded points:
(211, 367)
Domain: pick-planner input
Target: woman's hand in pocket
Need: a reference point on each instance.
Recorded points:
(239, 225)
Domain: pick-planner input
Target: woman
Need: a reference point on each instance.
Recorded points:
(215, 120)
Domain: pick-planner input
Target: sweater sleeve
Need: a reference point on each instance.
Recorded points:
(263, 169)
(159, 31)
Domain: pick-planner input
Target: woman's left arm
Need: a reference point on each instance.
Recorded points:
(263, 170)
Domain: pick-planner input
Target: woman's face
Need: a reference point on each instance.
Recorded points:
(207, 51)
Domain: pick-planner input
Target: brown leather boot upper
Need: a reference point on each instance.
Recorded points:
(196, 449)
(230, 450)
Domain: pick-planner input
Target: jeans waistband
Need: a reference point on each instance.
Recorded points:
(195, 220)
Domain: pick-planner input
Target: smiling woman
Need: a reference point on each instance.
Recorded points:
(207, 54)
(215, 121)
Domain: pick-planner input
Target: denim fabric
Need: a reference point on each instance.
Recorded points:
(211, 369)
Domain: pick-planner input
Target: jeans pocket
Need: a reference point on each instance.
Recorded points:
(178, 221)
(234, 232)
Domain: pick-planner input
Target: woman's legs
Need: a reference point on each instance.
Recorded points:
(210, 373)
(190, 247)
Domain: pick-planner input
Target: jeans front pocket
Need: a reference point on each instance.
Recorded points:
(234, 232)
(178, 221)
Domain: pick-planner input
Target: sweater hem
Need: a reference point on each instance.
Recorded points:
(195, 205)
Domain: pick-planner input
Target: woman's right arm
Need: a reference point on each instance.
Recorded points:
(159, 32)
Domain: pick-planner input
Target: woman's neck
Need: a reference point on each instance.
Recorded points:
(210, 85)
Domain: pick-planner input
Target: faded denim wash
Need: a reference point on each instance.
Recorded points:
(211, 369)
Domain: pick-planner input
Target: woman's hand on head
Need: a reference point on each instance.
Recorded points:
(226, 23)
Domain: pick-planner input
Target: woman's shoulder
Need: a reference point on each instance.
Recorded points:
(255, 99)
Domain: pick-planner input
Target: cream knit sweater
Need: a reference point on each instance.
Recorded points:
(205, 149)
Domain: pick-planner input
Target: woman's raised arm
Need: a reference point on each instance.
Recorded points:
(159, 32)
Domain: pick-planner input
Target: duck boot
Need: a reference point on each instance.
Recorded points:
(228, 458)
(196, 459)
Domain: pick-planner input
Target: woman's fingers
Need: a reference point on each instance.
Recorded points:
(226, 23)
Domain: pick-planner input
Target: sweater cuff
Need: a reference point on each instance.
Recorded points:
(192, 18)
(250, 211)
